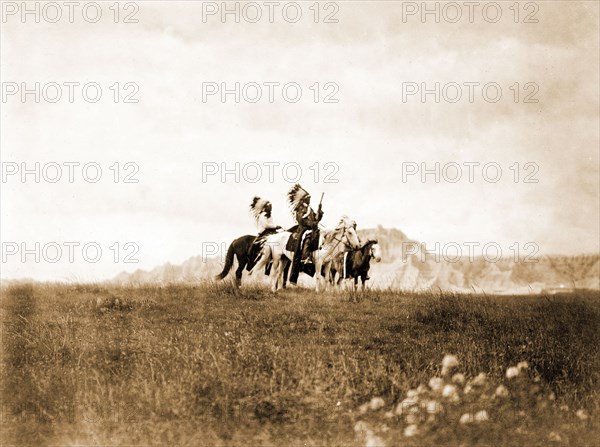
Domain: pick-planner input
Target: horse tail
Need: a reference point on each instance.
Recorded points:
(228, 263)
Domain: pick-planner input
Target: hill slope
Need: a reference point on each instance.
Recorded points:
(402, 268)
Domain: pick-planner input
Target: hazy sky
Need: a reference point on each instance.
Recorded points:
(373, 55)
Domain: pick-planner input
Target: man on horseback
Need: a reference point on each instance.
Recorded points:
(261, 209)
(307, 219)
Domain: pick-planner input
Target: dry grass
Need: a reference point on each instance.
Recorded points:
(211, 365)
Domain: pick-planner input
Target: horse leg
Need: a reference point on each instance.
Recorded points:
(337, 282)
(327, 274)
(318, 266)
(285, 263)
(239, 271)
(280, 272)
(275, 274)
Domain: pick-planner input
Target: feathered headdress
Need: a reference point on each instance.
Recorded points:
(297, 195)
(257, 206)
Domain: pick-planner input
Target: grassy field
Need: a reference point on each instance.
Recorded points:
(210, 365)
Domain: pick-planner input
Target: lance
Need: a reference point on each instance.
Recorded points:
(320, 202)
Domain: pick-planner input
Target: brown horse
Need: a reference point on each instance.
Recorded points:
(239, 248)
(357, 263)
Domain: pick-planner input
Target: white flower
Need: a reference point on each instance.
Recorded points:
(421, 389)
(554, 437)
(361, 427)
(522, 365)
(501, 391)
(404, 406)
(479, 380)
(458, 378)
(512, 372)
(436, 384)
(448, 390)
(482, 416)
(466, 418)
(449, 363)
(412, 393)
(433, 407)
(411, 430)
(376, 403)
(373, 440)
(581, 414)
(468, 388)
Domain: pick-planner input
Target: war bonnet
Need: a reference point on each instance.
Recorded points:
(297, 195)
(257, 206)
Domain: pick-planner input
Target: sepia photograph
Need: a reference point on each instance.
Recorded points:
(311, 223)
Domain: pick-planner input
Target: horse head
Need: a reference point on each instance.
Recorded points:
(374, 250)
(348, 228)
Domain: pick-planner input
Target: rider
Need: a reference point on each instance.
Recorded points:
(261, 210)
(307, 219)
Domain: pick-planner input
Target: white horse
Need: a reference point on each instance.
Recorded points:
(274, 249)
(333, 242)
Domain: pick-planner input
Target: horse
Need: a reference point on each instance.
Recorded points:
(357, 263)
(334, 242)
(240, 249)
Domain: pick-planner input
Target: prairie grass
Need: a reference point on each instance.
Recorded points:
(209, 364)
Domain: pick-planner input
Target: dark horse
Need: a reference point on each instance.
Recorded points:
(358, 263)
(238, 248)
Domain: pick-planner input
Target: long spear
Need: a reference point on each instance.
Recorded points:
(320, 202)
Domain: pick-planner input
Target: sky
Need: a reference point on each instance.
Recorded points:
(365, 148)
